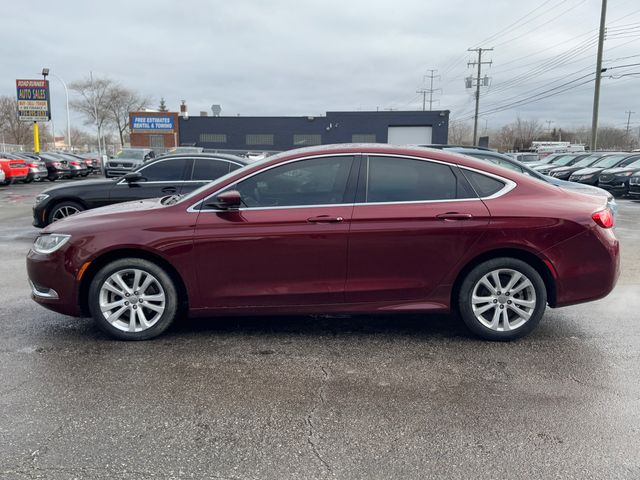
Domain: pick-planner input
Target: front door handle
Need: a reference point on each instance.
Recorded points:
(454, 216)
(325, 219)
(169, 190)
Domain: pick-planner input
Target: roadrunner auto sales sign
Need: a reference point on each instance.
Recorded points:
(33, 100)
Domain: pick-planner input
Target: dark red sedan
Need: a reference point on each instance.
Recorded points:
(335, 229)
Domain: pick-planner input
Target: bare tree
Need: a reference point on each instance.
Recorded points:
(93, 101)
(119, 102)
(460, 133)
(13, 130)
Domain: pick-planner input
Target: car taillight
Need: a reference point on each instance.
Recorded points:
(32, 165)
(56, 164)
(604, 218)
(77, 164)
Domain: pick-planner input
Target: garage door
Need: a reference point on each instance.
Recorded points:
(420, 135)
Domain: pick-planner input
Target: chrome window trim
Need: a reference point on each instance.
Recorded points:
(181, 158)
(509, 185)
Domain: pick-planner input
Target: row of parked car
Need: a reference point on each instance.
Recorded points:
(616, 172)
(29, 167)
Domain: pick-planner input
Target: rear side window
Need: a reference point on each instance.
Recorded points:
(484, 185)
(208, 169)
(394, 179)
(165, 171)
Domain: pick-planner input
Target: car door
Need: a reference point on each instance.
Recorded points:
(412, 222)
(159, 178)
(287, 245)
(206, 170)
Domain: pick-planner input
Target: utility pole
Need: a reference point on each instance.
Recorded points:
(549, 122)
(596, 93)
(479, 63)
(424, 98)
(628, 120)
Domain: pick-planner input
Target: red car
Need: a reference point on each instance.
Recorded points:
(335, 229)
(14, 169)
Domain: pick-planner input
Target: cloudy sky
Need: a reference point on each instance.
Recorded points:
(287, 57)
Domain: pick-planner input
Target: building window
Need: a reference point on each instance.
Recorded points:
(213, 137)
(363, 138)
(156, 141)
(259, 139)
(303, 140)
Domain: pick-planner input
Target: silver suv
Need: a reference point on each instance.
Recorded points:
(127, 160)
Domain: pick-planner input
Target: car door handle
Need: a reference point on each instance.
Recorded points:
(454, 216)
(325, 219)
(169, 190)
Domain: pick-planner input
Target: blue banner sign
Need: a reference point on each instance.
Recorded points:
(147, 123)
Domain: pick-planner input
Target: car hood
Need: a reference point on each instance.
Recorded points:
(610, 171)
(104, 217)
(587, 171)
(75, 185)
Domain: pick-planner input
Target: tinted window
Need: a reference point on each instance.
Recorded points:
(485, 186)
(609, 161)
(206, 169)
(318, 181)
(165, 171)
(392, 179)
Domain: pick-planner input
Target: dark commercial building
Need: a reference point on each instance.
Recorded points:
(284, 133)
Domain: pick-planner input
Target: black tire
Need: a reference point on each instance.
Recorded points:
(28, 180)
(59, 207)
(52, 179)
(171, 299)
(465, 306)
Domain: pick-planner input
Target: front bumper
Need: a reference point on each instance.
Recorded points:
(53, 280)
(616, 187)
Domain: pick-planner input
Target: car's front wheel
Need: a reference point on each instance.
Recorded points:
(502, 299)
(133, 299)
(63, 210)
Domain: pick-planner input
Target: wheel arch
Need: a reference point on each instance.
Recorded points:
(53, 203)
(112, 255)
(535, 261)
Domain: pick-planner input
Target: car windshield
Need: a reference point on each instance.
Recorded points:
(528, 158)
(609, 161)
(563, 160)
(635, 163)
(586, 161)
(137, 154)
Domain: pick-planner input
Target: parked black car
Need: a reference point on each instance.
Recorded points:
(562, 160)
(634, 185)
(563, 173)
(616, 180)
(37, 168)
(56, 167)
(169, 175)
(590, 174)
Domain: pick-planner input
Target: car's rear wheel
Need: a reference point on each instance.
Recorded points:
(133, 299)
(502, 299)
(63, 210)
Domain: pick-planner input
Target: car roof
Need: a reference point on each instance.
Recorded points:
(219, 156)
(443, 146)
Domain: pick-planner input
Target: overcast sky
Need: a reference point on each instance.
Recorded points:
(303, 57)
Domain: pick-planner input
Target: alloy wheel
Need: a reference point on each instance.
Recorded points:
(63, 212)
(132, 300)
(503, 300)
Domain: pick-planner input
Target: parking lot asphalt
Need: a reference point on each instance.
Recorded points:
(370, 397)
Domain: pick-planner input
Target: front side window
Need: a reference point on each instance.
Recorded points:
(394, 179)
(317, 181)
(207, 169)
(165, 171)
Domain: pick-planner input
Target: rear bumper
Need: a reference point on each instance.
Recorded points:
(36, 174)
(587, 266)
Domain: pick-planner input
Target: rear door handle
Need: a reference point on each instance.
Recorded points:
(454, 216)
(169, 190)
(325, 219)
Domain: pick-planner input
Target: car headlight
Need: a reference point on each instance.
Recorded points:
(626, 174)
(50, 243)
(634, 180)
(41, 197)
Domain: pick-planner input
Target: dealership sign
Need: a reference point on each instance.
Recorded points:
(33, 100)
(150, 123)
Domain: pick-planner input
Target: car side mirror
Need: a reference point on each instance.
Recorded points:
(132, 177)
(230, 200)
